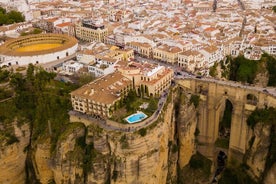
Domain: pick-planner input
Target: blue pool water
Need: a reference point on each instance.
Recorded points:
(134, 118)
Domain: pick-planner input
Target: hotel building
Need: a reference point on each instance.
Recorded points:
(149, 79)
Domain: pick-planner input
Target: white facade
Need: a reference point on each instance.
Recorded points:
(71, 66)
(102, 67)
(36, 59)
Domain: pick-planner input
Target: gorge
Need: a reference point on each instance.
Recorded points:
(86, 152)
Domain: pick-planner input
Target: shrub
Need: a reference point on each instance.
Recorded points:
(124, 142)
(142, 132)
(194, 100)
(199, 162)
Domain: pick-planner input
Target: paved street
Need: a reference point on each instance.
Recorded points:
(179, 74)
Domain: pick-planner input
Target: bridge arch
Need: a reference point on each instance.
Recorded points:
(251, 99)
(213, 95)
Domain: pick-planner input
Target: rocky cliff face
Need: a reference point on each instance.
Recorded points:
(94, 155)
(68, 156)
(13, 154)
(271, 175)
(186, 129)
(257, 154)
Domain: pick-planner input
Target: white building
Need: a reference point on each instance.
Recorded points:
(71, 66)
(103, 66)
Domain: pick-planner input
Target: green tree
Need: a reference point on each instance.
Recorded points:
(213, 70)
(4, 75)
(16, 16)
(152, 105)
(243, 70)
(3, 19)
(10, 17)
(142, 132)
(274, 9)
(271, 68)
(2, 10)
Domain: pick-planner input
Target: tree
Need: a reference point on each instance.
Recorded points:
(152, 105)
(4, 75)
(2, 10)
(16, 16)
(10, 17)
(213, 70)
(3, 19)
(274, 9)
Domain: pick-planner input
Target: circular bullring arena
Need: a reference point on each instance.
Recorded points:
(37, 49)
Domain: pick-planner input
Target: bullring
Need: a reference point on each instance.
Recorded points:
(37, 49)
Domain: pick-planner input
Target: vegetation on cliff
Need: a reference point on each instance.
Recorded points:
(235, 175)
(194, 100)
(197, 171)
(265, 116)
(245, 70)
(242, 69)
(39, 99)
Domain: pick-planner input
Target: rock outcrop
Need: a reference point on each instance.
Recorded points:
(42, 160)
(68, 156)
(271, 175)
(98, 156)
(257, 154)
(13, 155)
(186, 128)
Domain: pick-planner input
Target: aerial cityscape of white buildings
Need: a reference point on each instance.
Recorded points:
(193, 34)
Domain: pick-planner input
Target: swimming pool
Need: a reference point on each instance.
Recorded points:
(134, 118)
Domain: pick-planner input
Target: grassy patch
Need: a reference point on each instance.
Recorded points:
(222, 143)
(198, 161)
(235, 175)
(130, 105)
(198, 170)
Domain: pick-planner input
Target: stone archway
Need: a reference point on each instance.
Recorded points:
(224, 127)
(251, 99)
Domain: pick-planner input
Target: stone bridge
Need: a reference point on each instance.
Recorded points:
(213, 95)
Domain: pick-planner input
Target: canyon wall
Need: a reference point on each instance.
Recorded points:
(13, 153)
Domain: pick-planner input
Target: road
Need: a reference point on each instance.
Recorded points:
(179, 74)
(267, 90)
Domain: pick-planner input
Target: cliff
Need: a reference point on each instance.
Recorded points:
(162, 151)
(257, 154)
(90, 154)
(14, 140)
